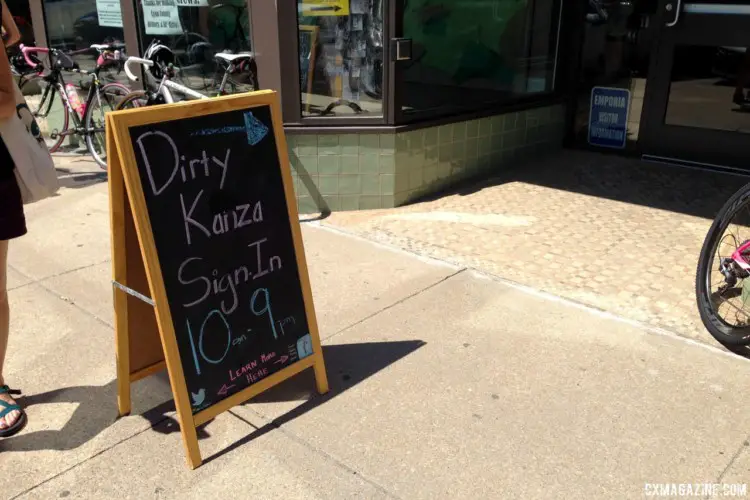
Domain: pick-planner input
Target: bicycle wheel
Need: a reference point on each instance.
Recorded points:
(106, 99)
(135, 99)
(722, 283)
(53, 121)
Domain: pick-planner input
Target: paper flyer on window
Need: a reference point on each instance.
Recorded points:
(161, 17)
(108, 13)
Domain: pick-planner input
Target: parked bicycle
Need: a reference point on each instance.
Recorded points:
(229, 29)
(87, 116)
(159, 63)
(722, 282)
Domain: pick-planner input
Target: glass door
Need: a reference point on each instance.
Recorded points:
(697, 107)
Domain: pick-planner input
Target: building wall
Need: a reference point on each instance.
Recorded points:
(369, 171)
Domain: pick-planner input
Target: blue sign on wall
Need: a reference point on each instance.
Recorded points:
(608, 117)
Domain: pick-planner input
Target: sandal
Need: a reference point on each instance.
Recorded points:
(6, 408)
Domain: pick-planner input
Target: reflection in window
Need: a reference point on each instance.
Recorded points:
(708, 88)
(466, 54)
(22, 16)
(74, 25)
(195, 34)
(341, 57)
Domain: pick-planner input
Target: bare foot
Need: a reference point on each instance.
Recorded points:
(12, 417)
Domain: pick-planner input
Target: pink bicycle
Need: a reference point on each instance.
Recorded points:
(86, 116)
(722, 282)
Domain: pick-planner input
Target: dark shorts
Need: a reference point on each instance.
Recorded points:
(12, 220)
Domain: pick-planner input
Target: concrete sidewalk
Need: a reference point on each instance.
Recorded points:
(445, 384)
(615, 233)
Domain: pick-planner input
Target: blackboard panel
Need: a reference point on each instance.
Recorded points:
(215, 196)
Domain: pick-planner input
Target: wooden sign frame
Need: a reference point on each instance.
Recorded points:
(144, 332)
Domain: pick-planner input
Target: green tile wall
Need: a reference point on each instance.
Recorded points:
(369, 171)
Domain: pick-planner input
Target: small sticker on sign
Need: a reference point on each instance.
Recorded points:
(255, 129)
(304, 346)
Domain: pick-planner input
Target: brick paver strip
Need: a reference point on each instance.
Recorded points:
(611, 232)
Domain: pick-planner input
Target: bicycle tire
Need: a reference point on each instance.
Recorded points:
(96, 141)
(723, 332)
(135, 99)
(48, 97)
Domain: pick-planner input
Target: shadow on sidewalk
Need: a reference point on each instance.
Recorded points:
(96, 410)
(347, 365)
(76, 180)
(699, 193)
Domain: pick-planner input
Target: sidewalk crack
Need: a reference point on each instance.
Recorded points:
(319, 451)
(32, 281)
(398, 302)
(743, 446)
(87, 459)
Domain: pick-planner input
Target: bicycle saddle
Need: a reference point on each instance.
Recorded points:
(108, 46)
(233, 57)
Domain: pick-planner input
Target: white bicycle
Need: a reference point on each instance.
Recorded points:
(160, 66)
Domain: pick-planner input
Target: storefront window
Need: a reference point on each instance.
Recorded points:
(341, 57)
(76, 24)
(196, 30)
(467, 54)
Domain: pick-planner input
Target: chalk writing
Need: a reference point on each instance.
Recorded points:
(200, 340)
(304, 346)
(224, 389)
(178, 163)
(237, 218)
(264, 358)
(256, 376)
(265, 299)
(228, 220)
(239, 340)
(239, 372)
(227, 282)
(292, 352)
(260, 304)
(256, 130)
(285, 322)
(219, 215)
(198, 398)
(219, 130)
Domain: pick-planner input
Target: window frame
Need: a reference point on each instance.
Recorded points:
(289, 51)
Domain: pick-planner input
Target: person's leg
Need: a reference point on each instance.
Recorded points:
(10, 418)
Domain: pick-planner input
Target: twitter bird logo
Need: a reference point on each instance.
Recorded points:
(198, 398)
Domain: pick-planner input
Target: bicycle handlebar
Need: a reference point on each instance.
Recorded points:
(132, 60)
(31, 50)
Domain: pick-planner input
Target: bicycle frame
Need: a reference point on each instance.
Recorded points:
(166, 84)
(56, 79)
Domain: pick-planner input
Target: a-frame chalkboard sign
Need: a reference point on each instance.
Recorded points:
(209, 272)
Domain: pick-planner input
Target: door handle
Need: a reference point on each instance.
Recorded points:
(669, 8)
(401, 49)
